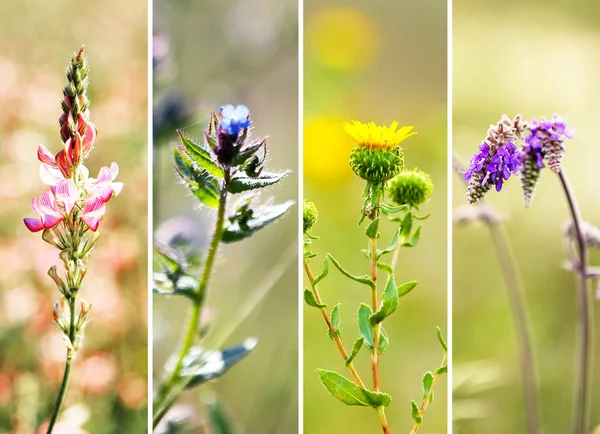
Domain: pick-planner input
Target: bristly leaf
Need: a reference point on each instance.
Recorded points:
(311, 300)
(336, 320)
(199, 181)
(372, 229)
(238, 231)
(201, 156)
(350, 393)
(414, 240)
(200, 366)
(365, 329)
(358, 343)
(440, 337)
(393, 244)
(415, 413)
(364, 279)
(248, 151)
(406, 225)
(405, 288)
(242, 182)
(427, 382)
(390, 302)
(441, 370)
(323, 274)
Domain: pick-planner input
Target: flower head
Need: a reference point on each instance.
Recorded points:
(410, 187)
(377, 136)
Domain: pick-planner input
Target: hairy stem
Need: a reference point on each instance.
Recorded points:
(164, 401)
(427, 398)
(583, 385)
(334, 334)
(62, 392)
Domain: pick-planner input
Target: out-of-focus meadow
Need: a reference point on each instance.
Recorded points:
(382, 62)
(108, 389)
(534, 59)
(207, 54)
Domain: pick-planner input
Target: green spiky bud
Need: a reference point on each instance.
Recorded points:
(309, 215)
(410, 187)
(376, 165)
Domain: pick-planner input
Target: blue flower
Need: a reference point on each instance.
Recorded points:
(233, 119)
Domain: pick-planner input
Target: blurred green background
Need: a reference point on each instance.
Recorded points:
(108, 390)
(535, 59)
(379, 62)
(208, 54)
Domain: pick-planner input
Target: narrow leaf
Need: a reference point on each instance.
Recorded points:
(350, 393)
(440, 337)
(242, 182)
(248, 151)
(385, 267)
(236, 232)
(405, 288)
(390, 302)
(415, 413)
(358, 343)
(384, 341)
(323, 274)
(311, 300)
(426, 383)
(393, 244)
(336, 320)
(308, 254)
(201, 156)
(414, 240)
(365, 329)
(199, 181)
(441, 370)
(392, 209)
(364, 279)
(406, 225)
(425, 217)
(372, 229)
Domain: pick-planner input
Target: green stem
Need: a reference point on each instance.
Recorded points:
(164, 401)
(62, 392)
(583, 385)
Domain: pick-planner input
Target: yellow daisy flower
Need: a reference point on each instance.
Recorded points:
(376, 136)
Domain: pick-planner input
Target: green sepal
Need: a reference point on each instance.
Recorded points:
(405, 288)
(350, 393)
(440, 337)
(390, 302)
(323, 274)
(372, 229)
(364, 328)
(358, 343)
(201, 156)
(406, 225)
(426, 383)
(415, 413)
(336, 321)
(311, 300)
(242, 182)
(236, 231)
(364, 279)
(200, 182)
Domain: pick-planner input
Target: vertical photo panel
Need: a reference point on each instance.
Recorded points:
(375, 182)
(225, 129)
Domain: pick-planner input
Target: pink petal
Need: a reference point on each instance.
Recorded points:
(33, 224)
(50, 175)
(91, 222)
(104, 177)
(34, 206)
(90, 136)
(45, 156)
(48, 204)
(114, 170)
(94, 207)
(67, 193)
(51, 220)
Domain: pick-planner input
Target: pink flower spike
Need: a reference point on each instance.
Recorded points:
(66, 193)
(92, 212)
(45, 156)
(48, 210)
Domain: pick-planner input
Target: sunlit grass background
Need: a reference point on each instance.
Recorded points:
(535, 59)
(237, 52)
(382, 62)
(108, 391)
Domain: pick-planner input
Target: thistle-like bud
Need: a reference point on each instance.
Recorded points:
(410, 187)
(309, 215)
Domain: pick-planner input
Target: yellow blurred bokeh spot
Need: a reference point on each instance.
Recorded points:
(326, 151)
(342, 37)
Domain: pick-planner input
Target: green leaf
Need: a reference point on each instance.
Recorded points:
(201, 156)
(392, 209)
(440, 337)
(242, 182)
(405, 288)
(308, 254)
(350, 393)
(385, 267)
(220, 421)
(384, 341)
(365, 329)
(323, 274)
(200, 366)
(336, 320)
(441, 370)
(236, 231)
(199, 181)
(393, 244)
(427, 382)
(406, 225)
(390, 302)
(311, 300)
(358, 343)
(425, 217)
(371, 230)
(415, 413)
(364, 279)
(414, 240)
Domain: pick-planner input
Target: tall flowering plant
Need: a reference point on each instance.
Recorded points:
(515, 148)
(378, 159)
(69, 213)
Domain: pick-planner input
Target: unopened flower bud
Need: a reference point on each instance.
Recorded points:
(309, 215)
(410, 187)
(57, 280)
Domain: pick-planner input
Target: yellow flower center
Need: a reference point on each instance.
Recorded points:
(377, 136)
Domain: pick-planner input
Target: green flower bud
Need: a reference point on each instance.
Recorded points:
(309, 215)
(376, 164)
(410, 187)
